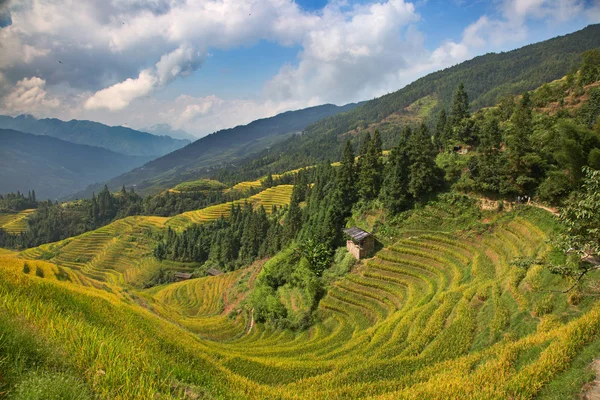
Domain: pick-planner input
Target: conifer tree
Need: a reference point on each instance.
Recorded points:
(371, 170)
(441, 129)
(460, 105)
(347, 178)
(522, 164)
(425, 176)
(394, 192)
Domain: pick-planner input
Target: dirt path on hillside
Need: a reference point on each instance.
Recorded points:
(591, 391)
(231, 304)
(251, 321)
(490, 204)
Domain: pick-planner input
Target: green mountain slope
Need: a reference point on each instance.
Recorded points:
(220, 148)
(486, 78)
(54, 167)
(115, 138)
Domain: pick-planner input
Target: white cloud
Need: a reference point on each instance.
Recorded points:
(180, 62)
(350, 53)
(119, 95)
(105, 59)
(28, 95)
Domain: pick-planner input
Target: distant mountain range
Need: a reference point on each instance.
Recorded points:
(55, 168)
(167, 130)
(220, 148)
(115, 138)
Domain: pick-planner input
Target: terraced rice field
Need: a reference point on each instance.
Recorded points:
(436, 315)
(120, 254)
(277, 195)
(15, 223)
(247, 185)
(202, 305)
(114, 254)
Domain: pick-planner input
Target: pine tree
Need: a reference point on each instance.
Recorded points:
(441, 129)
(461, 124)
(370, 172)
(522, 164)
(425, 176)
(347, 177)
(394, 192)
(460, 105)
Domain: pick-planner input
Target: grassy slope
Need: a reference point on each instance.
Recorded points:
(15, 223)
(436, 315)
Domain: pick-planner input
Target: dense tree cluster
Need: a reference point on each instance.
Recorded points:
(228, 243)
(12, 202)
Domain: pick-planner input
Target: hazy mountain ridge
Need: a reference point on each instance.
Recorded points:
(222, 147)
(167, 130)
(54, 167)
(115, 138)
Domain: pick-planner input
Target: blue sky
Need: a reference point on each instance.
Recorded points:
(203, 65)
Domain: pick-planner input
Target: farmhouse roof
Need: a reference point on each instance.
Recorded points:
(357, 234)
(182, 275)
(214, 272)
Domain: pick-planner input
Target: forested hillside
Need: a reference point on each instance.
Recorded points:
(55, 168)
(224, 147)
(487, 80)
(118, 139)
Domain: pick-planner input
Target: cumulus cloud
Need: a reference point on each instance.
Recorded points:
(180, 62)
(104, 59)
(118, 96)
(28, 94)
(349, 53)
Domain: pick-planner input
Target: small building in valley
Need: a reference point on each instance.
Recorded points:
(182, 276)
(213, 272)
(361, 243)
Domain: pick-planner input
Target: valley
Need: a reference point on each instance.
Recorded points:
(438, 242)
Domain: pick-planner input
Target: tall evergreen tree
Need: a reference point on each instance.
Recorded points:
(522, 169)
(441, 129)
(370, 172)
(347, 178)
(425, 176)
(460, 105)
(394, 192)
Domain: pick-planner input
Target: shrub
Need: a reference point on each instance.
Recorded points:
(26, 268)
(39, 272)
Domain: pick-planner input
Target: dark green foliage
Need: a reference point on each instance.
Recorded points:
(590, 67)
(590, 111)
(487, 79)
(52, 221)
(460, 105)
(524, 167)
(370, 169)
(394, 194)
(26, 268)
(580, 240)
(317, 255)
(39, 272)
(425, 176)
(229, 243)
(347, 176)
(13, 202)
(442, 129)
